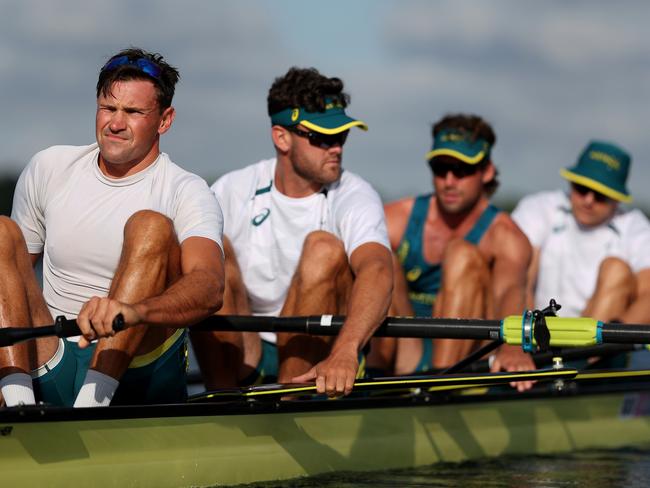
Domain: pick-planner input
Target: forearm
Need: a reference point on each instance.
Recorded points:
(367, 307)
(512, 301)
(192, 298)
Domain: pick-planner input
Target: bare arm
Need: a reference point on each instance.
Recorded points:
(371, 264)
(639, 310)
(512, 259)
(197, 294)
(531, 279)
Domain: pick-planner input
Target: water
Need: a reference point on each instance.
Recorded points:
(594, 469)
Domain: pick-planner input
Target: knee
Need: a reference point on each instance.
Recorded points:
(11, 237)
(462, 257)
(149, 231)
(323, 256)
(615, 270)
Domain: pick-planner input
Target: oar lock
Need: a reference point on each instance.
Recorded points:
(542, 330)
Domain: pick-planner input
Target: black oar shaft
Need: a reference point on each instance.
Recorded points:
(624, 333)
(331, 324)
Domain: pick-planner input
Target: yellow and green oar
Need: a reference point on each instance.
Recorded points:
(516, 329)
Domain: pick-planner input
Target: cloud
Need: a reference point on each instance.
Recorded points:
(548, 75)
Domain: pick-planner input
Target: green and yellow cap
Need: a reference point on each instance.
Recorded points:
(459, 145)
(332, 120)
(603, 167)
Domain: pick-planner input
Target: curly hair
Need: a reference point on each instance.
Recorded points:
(165, 83)
(477, 128)
(305, 87)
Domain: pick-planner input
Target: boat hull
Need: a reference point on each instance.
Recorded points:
(207, 445)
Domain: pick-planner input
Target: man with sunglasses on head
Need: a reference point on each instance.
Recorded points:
(121, 230)
(302, 236)
(588, 252)
(456, 255)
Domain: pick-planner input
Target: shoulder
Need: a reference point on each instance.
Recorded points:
(245, 180)
(542, 201)
(505, 235)
(351, 182)
(53, 165)
(352, 193)
(61, 156)
(180, 178)
(631, 221)
(399, 210)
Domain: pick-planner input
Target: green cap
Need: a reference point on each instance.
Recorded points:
(603, 167)
(459, 145)
(332, 121)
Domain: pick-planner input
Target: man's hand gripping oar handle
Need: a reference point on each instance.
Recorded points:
(62, 328)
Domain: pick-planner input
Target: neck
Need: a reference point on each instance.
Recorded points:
(122, 170)
(290, 183)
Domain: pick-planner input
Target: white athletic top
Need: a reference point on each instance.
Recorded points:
(75, 215)
(570, 255)
(267, 229)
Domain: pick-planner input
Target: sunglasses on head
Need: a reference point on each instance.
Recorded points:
(583, 190)
(324, 141)
(458, 169)
(143, 64)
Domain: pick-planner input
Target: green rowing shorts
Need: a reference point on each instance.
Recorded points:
(157, 377)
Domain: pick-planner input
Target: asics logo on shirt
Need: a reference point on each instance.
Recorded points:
(260, 217)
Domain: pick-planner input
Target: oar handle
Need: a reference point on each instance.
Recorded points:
(62, 328)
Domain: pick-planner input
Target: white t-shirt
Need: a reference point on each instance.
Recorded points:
(570, 255)
(267, 228)
(75, 215)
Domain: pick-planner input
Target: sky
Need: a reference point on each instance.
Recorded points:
(549, 76)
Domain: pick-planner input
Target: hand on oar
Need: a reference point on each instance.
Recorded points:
(95, 319)
(334, 375)
(513, 359)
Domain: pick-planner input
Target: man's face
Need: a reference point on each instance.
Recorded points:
(128, 123)
(591, 208)
(318, 158)
(458, 185)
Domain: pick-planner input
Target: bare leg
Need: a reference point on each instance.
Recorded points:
(150, 262)
(614, 292)
(226, 358)
(464, 294)
(21, 302)
(397, 356)
(321, 285)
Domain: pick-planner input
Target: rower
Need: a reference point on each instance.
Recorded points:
(588, 251)
(122, 230)
(303, 236)
(455, 255)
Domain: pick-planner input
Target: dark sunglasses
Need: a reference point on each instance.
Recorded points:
(143, 64)
(459, 169)
(583, 190)
(324, 141)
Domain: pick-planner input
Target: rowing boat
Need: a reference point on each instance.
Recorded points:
(255, 434)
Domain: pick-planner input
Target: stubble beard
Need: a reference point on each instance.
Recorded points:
(321, 175)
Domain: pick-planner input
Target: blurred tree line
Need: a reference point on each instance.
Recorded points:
(7, 185)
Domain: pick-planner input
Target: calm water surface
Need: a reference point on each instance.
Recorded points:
(596, 469)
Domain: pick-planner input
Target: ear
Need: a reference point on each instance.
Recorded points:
(166, 120)
(488, 173)
(281, 138)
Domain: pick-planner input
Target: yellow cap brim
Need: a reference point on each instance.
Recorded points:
(336, 130)
(595, 186)
(457, 155)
